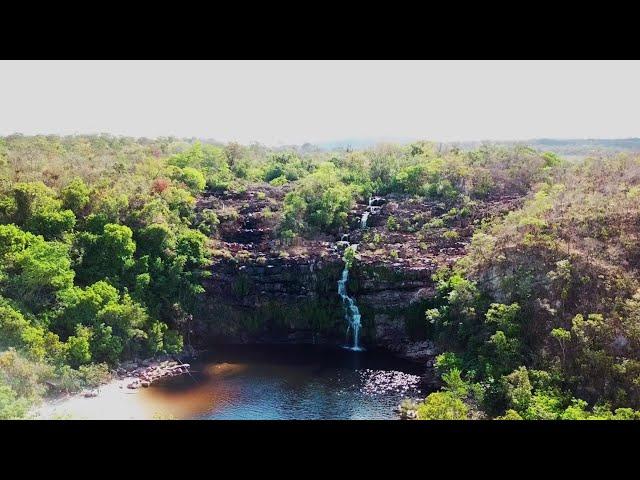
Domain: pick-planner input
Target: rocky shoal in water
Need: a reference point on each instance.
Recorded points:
(147, 372)
(378, 382)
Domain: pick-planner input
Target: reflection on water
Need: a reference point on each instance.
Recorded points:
(279, 382)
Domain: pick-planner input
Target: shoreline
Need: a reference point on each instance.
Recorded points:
(117, 399)
(127, 396)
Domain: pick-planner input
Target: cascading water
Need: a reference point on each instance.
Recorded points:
(363, 221)
(367, 212)
(351, 311)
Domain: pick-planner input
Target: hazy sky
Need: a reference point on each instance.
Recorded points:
(276, 102)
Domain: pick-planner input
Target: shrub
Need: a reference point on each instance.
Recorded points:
(173, 343)
(442, 406)
(191, 178)
(447, 361)
(79, 349)
(11, 406)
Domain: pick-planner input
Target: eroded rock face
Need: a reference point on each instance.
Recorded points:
(264, 289)
(296, 299)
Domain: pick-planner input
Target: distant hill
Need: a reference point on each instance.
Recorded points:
(360, 143)
(568, 147)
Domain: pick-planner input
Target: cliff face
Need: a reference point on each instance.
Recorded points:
(392, 300)
(262, 290)
(296, 299)
(273, 298)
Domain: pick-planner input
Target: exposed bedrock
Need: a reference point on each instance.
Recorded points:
(262, 289)
(296, 300)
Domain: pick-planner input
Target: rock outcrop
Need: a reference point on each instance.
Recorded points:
(264, 289)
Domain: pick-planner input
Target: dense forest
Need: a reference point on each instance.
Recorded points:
(104, 252)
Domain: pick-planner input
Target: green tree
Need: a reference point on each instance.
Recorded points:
(39, 272)
(75, 196)
(447, 361)
(51, 223)
(504, 317)
(455, 384)
(519, 389)
(12, 326)
(105, 347)
(106, 256)
(321, 201)
(442, 406)
(173, 343)
(155, 341)
(193, 179)
(79, 347)
(127, 318)
(81, 306)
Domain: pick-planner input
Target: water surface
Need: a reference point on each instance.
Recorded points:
(286, 382)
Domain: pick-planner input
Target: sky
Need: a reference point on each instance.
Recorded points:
(293, 102)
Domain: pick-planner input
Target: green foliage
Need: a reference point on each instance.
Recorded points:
(446, 362)
(561, 334)
(510, 415)
(504, 317)
(106, 256)
(172, 342)
(456, 318)
(279, 181)
(450, 235)
(81, 306)
(24, 376)
(94, 375)
(320, 202)
(349, 255)
(519, 389)
(156, 240)
(29, 198)
(12, 326)
(155, 340)
(209, 222)
(285, 166)
(68, 255)
(14, 240)
(51, 223)
(38, 272)
(127, 319)
(455, 384)
(75, 196)
(193, 179)
(106, 347)
(442, 406)
(11, 406)
(70, 380)
(79, 351)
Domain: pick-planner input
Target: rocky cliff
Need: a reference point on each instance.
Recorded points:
(262, 289)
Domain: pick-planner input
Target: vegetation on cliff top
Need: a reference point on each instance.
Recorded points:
(541, 316)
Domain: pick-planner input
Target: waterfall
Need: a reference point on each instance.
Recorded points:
(363, 221)
(351, 312)
(365, 215)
